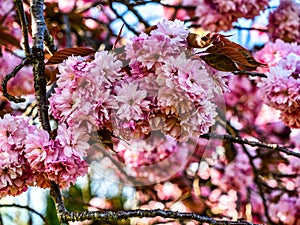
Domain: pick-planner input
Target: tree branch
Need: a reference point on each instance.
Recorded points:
(24, 25)
(7, 78)
(38, 31)
(111, 216)
(49, 42)
(251, 143)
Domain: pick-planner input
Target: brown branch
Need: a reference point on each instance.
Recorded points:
(56, 195)
(49, 42)
(131, 8)
(249, 28)
(38, 31)
(7, 78)
(111, 216)
(239, 140)
(24, 25)
(122, 19)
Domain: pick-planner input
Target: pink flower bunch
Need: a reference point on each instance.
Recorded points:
(217, 15)
(15, 171)
(60, 160)
(29, 157)
(280, 89)
(274, 52)
(181, 87)
(163, 88)
(284, 22)
(157, 87)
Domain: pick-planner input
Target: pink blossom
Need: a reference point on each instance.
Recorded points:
(15, 173)
(284, 22)
(174, 31)
(72, 71)
(106, 68)
(216, 15)
(281, 89)
(188, 75)
(65, 170)
(130, 102)
(166, 41)
(13, 131)
(62, 103)
(73, 140)
(273, 52)
(39, 150)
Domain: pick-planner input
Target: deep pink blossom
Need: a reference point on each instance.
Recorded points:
(39, 150)
(15, 171)
(284, 22)
(64, 170)
(280, 89)
(216, 15)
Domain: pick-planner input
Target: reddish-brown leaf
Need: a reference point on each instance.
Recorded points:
(50, 75)
(7, 39)
(223, 54)
(220, 62)
(60, 56)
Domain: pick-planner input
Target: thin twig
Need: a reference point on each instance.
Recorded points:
(122, 19)
(27, 208)
(239, 140)
(66, 21)
(7, 78)
(24, 25)
(250, 28)
(49, 42)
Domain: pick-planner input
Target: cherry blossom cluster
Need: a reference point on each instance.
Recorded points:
(219, 15)
(280, 89)
(29, 157)
(154, 86)
(284, 22)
